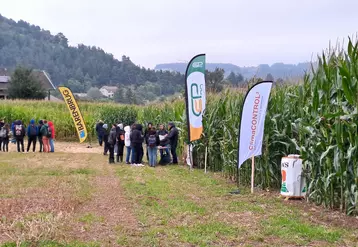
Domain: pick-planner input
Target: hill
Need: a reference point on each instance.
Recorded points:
(28, 45)
(277, 70)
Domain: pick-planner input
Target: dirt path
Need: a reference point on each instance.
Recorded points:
(107, 216)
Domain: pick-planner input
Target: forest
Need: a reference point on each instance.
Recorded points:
(81, 67)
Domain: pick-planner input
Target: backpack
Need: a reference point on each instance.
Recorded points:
(152, 141)
(3, 133)
(49, 132)
(33, 131)
(18, 130)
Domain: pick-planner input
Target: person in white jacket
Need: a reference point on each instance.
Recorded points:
(127, 143)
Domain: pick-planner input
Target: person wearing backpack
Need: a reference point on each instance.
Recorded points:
(32, 133)
(45, 132)
(2, 123)
(120, 142)
(152, 142)
(41, 123)
(51, 139)
(19, 133)
(6, 138)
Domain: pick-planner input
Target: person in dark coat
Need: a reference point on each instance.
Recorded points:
(146, 135)
(152, 144)
(120, 142)
(32, 133)
(41, 123)
(163, 142)
(173, 139)
(105, 139)
(99, 131)
(112, 138)
(137, 144)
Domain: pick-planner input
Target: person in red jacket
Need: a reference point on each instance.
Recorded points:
(51, 127)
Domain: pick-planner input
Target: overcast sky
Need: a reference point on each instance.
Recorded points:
(243, 32)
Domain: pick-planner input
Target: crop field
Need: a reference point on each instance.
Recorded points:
(74, 198)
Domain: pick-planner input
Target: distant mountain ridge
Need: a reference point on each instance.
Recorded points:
(277, 70)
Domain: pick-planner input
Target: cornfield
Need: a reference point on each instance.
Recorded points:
(316, 119)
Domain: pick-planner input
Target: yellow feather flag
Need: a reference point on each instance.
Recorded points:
(75, 113)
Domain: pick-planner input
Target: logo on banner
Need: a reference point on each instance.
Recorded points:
(196, 99)
(198, 65)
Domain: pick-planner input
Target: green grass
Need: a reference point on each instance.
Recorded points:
(178, 206)
(172, 206)
(293, 229)
(53, 244)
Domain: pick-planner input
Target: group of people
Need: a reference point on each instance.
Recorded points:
(133, 138)
(43, 132)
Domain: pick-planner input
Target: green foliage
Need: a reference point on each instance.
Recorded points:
(24, 86)
(214, 80)
(94, 93)
(79, 67)
(235, 79)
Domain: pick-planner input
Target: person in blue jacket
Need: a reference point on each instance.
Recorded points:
(32, 133)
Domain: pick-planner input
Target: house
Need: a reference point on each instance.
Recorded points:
(40, 75)
(108, 91)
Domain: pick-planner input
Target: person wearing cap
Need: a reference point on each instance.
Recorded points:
(173, 139)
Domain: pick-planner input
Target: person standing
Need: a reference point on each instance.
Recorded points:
(127, 143)
(152, 144)
(2, 124)
(137, 144)
(149, 127)
(41, 123)
(32, 133)
(19, 136)
(120, 142)
(99, 131)
(105, 139)
(112, 141)
(5, 140)
(164, 145)
(51, 128)
(173, 138)
(45, 132)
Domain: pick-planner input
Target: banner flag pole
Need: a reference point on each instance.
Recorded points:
(206, 157)
(252, 124)
(195, 99)
(75, 113)
(252, 173)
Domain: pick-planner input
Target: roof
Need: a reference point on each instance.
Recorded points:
(110, 88)
(4, 79)
(40, 75)
(44, 78)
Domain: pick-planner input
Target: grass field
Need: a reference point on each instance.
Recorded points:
(74, 198)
